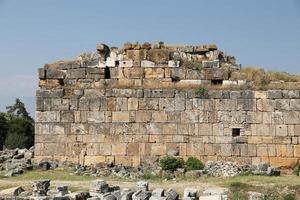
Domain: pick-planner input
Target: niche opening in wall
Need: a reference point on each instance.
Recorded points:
(216, 82)
(106, 73)
(236, 132)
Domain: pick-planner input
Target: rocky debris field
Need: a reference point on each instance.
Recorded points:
(16, 161)
(100, 190)
(212, 168)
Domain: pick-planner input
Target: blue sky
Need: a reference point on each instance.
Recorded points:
(262, 33)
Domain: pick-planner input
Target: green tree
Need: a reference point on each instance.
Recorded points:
(18, 110)
(20, 132)
(3, 129)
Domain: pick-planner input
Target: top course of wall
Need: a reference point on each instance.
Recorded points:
(142, 66)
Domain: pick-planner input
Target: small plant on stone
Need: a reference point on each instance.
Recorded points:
(202, 92)
(170, 163)
(196, 65)
(193, 163)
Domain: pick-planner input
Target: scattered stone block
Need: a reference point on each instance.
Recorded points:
(171, 194)
(99, 186)
(190, 192)
(11, 192)
(158, 192)
(141, 195)
(142, 185)
(40, 188)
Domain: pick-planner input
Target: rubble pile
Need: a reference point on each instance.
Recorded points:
(100, 190)
(16, 161)
(223, 168)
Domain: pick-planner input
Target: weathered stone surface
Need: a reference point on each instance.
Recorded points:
(40, 188)
(141, 195)
(11, 192)
(171, 194)
(99, 186)
(143, 101)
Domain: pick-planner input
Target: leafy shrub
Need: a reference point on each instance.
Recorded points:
(297, 170)
(170, 163)
(20, 133)
(288, 197)
(193, 163)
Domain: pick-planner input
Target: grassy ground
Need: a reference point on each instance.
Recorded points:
(77, 182)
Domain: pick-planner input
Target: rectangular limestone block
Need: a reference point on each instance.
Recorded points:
(116, 73)
(55, 74)
(76, 73)
(119, 148)
(47, 116)
(105, 149)
(291, 94)
(189, 116)
(260, 94)
(291, 117)
(123, 160)
(169, 129)
(129, 83)
(60, 104)
(195, 149)
(158, 149)
(133, 149)
(95, 116)
(148, 103)
(167, 104)
(281, 130)
(133, 73)
(154, 73)
(159, 116)
(54, 93)
(120, 116)
(295, 104)
(126, 92)
(262, 150)
(95, 73)
(283, 162)
(157, 93)
(89, 160)
(121, 104)
(133, 103)
(50, 83)
(143, 116)
(265, 105)
(274, 94)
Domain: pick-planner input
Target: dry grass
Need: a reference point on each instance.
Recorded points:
(262, 79)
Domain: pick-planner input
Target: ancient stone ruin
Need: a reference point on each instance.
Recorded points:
(133, 104)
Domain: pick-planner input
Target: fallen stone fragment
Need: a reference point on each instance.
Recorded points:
(99, 186)
(40, 188)
(171, 194)
(142, 185)
(141, 195)
(15, 191)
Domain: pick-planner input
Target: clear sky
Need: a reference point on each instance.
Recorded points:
(262, 33)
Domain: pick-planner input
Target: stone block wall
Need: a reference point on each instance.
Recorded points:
(130, 111)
